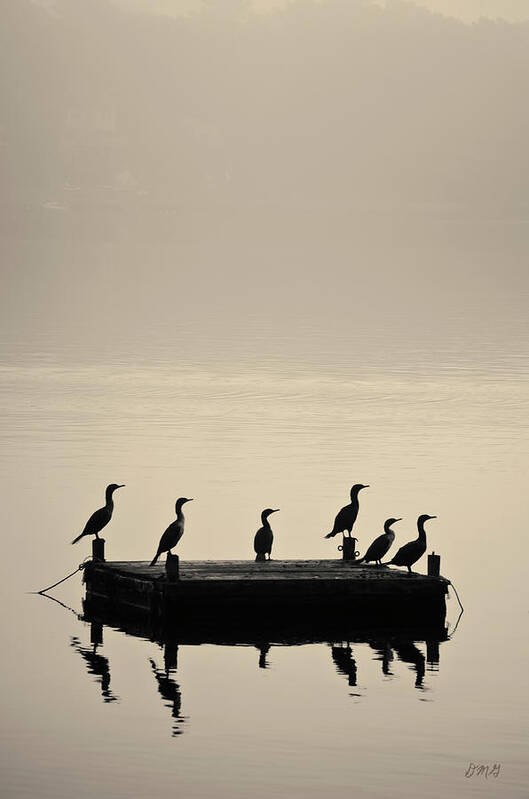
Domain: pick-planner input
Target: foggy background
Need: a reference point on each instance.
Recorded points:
(329, 106)
(344, 174)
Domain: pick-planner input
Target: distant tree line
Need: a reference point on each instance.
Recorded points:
(337, 104)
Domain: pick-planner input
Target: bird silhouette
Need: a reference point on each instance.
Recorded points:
(380, 545)
(264, 537)
(100, 518)
(174, 532)
(346, 517)
(410, 553)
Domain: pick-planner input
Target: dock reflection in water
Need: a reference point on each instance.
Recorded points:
(418, 647)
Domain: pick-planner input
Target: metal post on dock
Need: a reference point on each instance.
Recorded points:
(347, 548)
(172, 567)
(434, 565)
(98, 549)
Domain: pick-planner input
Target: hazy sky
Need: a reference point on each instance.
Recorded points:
(288, 170)
(467, 10)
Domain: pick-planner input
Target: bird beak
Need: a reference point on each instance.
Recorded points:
(275, 511)
(433, 517)
(123, 486)
(190, 499)
(397, 520)
(365, 486)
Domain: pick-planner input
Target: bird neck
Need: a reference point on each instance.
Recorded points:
(422, 533)
(179, 513)
(387, 528)
(109, 498)
(264, 520)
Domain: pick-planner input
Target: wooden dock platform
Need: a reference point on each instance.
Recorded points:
(303, 591)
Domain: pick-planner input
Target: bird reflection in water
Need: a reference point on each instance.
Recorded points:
(264, 649)
(96, 664)
(408, 653)
(384, 653)
(345, 662)
(168, 688)
(404, 649)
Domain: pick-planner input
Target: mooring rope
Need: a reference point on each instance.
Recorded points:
(457, 595)
(79, 616)
(460, 613)
(78, 569)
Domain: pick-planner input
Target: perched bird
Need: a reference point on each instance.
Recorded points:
(346, 518)
(264, 537)
(410, 553)
(101, 517)
(174, 532)
(380, 545)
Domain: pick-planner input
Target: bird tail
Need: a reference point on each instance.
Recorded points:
(330, 535)
(360, 560)
(77, 539)
(153, 561)
(260, 556)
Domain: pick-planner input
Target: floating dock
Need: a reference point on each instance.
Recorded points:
(299, 592)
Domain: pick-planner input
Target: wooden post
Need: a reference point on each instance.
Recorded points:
(348, 548)
(98, 549)
(172, 567)
(434, 565)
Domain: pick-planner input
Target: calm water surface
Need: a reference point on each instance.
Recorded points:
(243, 416)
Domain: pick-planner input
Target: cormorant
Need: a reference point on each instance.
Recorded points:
(410, 553)
(264, 537)
(174, 532)
(347, 516)
(380, 545)
(100, 518)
